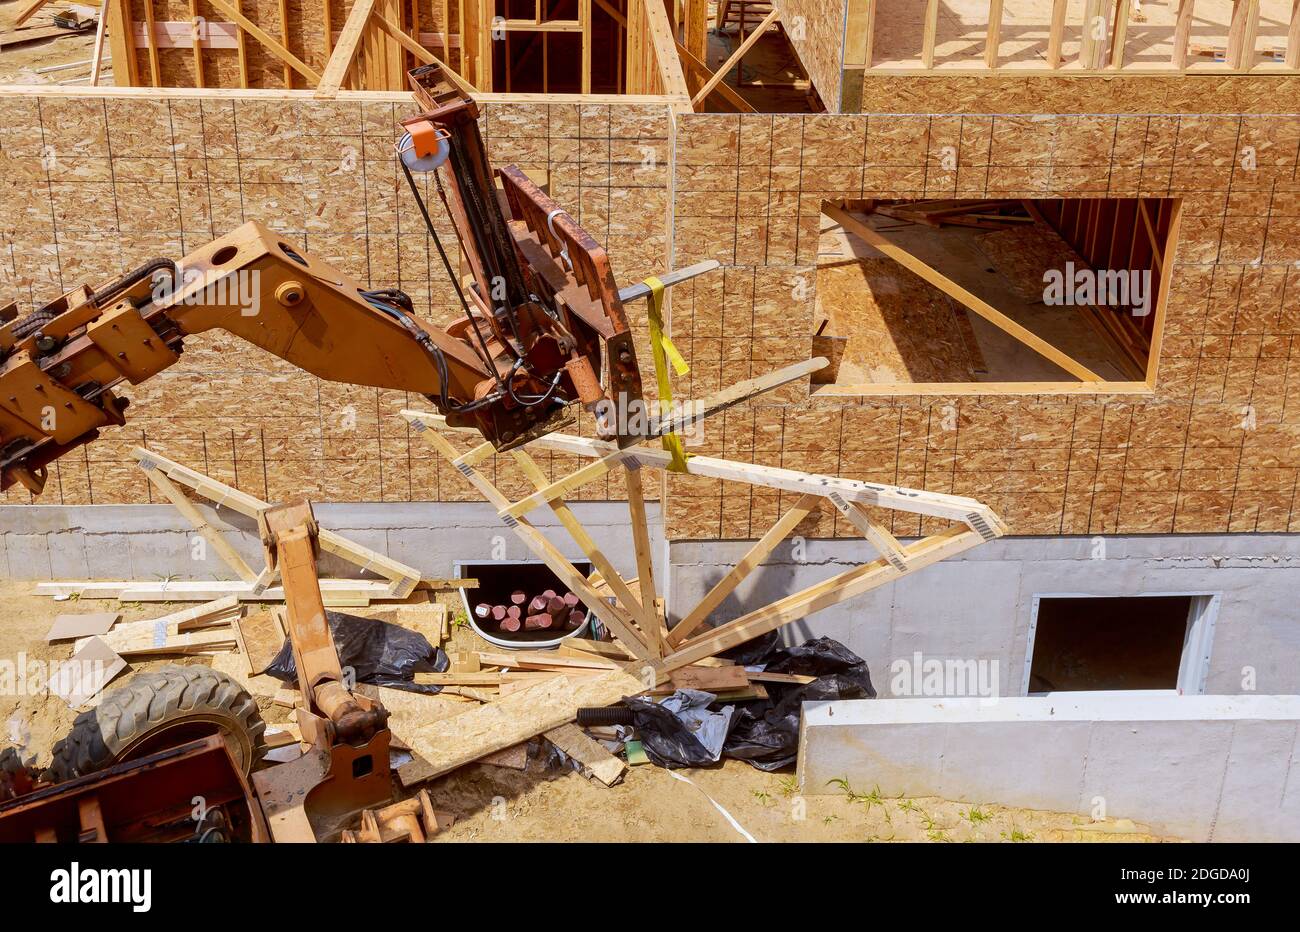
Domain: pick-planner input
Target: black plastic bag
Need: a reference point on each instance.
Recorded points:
(766, 734)
(380, 653)
(667, 740)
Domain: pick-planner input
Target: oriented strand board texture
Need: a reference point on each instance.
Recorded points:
(816, 30)
(1215, 449)
(1048, 93)
(186, 170)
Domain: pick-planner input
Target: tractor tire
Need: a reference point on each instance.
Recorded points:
(161, 709)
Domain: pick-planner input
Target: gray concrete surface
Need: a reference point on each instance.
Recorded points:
(1205, 768)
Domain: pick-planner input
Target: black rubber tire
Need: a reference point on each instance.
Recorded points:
(160, 709)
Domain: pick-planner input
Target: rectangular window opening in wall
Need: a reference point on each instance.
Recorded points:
(988, 296)
(1084, 643)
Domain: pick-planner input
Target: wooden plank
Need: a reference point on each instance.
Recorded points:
(424, 56)
(402, 578)
(1119, 35)
(268, 42)
(443, 746)
(591, 759)
(561, 487)
(97, 56)
(645, 571)
(1183, 33)
(579, 647)
(29, 11)
(710, 679)
(1056, 34)
(723, 89)
(746, 565)
(822, 595)
(151, 43)
(1293, 37)
(1242, 32)
(993, 39)
(191, 513)
(664, 48)
(120, 29)
(586, 543)
(545, 660)
(345, 49)
(929, 33)
(617, 620)
(744, 47)
(952, 289)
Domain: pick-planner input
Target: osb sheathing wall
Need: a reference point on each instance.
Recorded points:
(185, 170)
(1214, 449)
(816, 30)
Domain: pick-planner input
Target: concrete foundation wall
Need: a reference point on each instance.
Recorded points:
(149, 542)
(1206, 768)
(978, 606)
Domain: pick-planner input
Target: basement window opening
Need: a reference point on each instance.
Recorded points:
(1087, 643)
(989, 296)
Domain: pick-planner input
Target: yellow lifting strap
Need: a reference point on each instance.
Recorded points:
(663, 349)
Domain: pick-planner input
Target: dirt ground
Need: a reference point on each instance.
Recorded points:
(18, 64)
(548, 802)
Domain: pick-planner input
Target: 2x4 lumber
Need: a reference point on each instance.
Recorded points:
(97, 56)
(696, 31)
(617, 620)
(191, 513)
(533, 473)
(269, 42)
(241, 44)
(1183, 33)
(29, 11)
(1293, 37)
(443, 746)
(645, 572)
(953, 290)
(723, 89)
(1095, 26)
(345, 50)
(120, 30)
(151, 43)
(885, 543)
(733, 395)
(402, 578)
(822, 595)
(1242, 32)
(994, 37)
(739, 53)
(423, 55)
(930, 33)
(664, 49)
(1119, 35)
(898, 498)
(1056, 33)
(561, 487)
(584, 17)
(747, 564)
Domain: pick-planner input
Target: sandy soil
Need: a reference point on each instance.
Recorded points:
(548, 802)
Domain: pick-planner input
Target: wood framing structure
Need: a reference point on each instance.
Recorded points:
(564, 47)
(171, 480)
(633, 616)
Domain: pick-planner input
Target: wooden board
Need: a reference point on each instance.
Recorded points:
(592, 759)
(443, 746)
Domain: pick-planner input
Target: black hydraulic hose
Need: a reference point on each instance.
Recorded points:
(446, 262)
